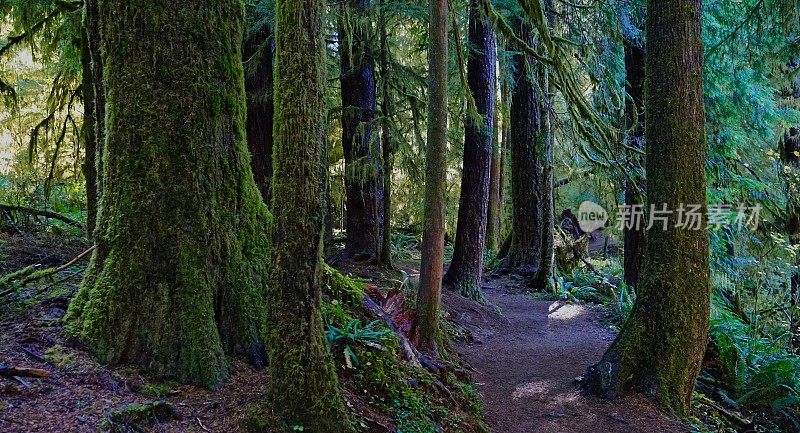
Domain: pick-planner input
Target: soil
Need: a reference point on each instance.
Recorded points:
(526, 354)
(527, 365)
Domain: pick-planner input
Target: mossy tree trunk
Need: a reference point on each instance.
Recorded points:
(634, 237)
(177, 279)
(544, 274)
(305, 389)
(259, 52)
(386, 138)
(661, 345)
(362, 147)
(526, 143)
(466, 267)
(94, 112)
(432, 266)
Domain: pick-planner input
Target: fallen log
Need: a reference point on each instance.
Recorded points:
(7, 371)
(42, 213)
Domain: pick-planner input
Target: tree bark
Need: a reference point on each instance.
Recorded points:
(94, 112)
(387, 142)
(89, 133)
(258, 53)
(526, 141)
(466, 267)
(176, 281)
(634, 237)
(660, 347)
(304, 383)
(495, 210)
(544, 274)
(431, 268)
(362, 147)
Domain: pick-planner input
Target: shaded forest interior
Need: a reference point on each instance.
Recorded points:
(399, 216)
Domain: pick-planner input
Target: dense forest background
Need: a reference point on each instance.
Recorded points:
(481, 123)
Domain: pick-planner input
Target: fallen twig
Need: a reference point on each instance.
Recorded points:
(35, 355)
(72, 262)
(43, 213)
(202, 426)
(728, 413)
(22, 372)
(13, 224)
(31, 273)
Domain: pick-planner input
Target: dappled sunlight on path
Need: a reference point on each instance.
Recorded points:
(528, 365)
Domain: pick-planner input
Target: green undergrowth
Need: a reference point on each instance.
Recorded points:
(413, 398)
(378, 383)
(756, 374)
(604, 287)
(750, 379)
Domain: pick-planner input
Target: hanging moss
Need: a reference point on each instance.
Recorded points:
(178, 277)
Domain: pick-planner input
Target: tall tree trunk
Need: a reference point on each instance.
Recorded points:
(497, 177)
(388, 143)
(181, 230)
(544, 274)
(94, 116)
(660, 347)
(259, 52)
(304, 382)
(790, 149)
(526, 140)
(362, 147)
(505, 132)
(466, 268)
(89, 133)
(432, 266)
(495, 211)
(634, 237)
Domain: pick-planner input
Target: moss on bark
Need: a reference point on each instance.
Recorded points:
(178, 276)
(304, 384)
(660, 347)
(431, 269)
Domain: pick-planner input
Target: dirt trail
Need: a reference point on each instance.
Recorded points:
(527, 365)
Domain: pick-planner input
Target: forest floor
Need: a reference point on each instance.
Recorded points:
(528, 363)
(526, 353)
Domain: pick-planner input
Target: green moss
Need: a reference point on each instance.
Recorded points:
(137, 417)
(24, 276)
(59, 356)
(342, 289)
(259, 418)
(156, 390)
(178, 279)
